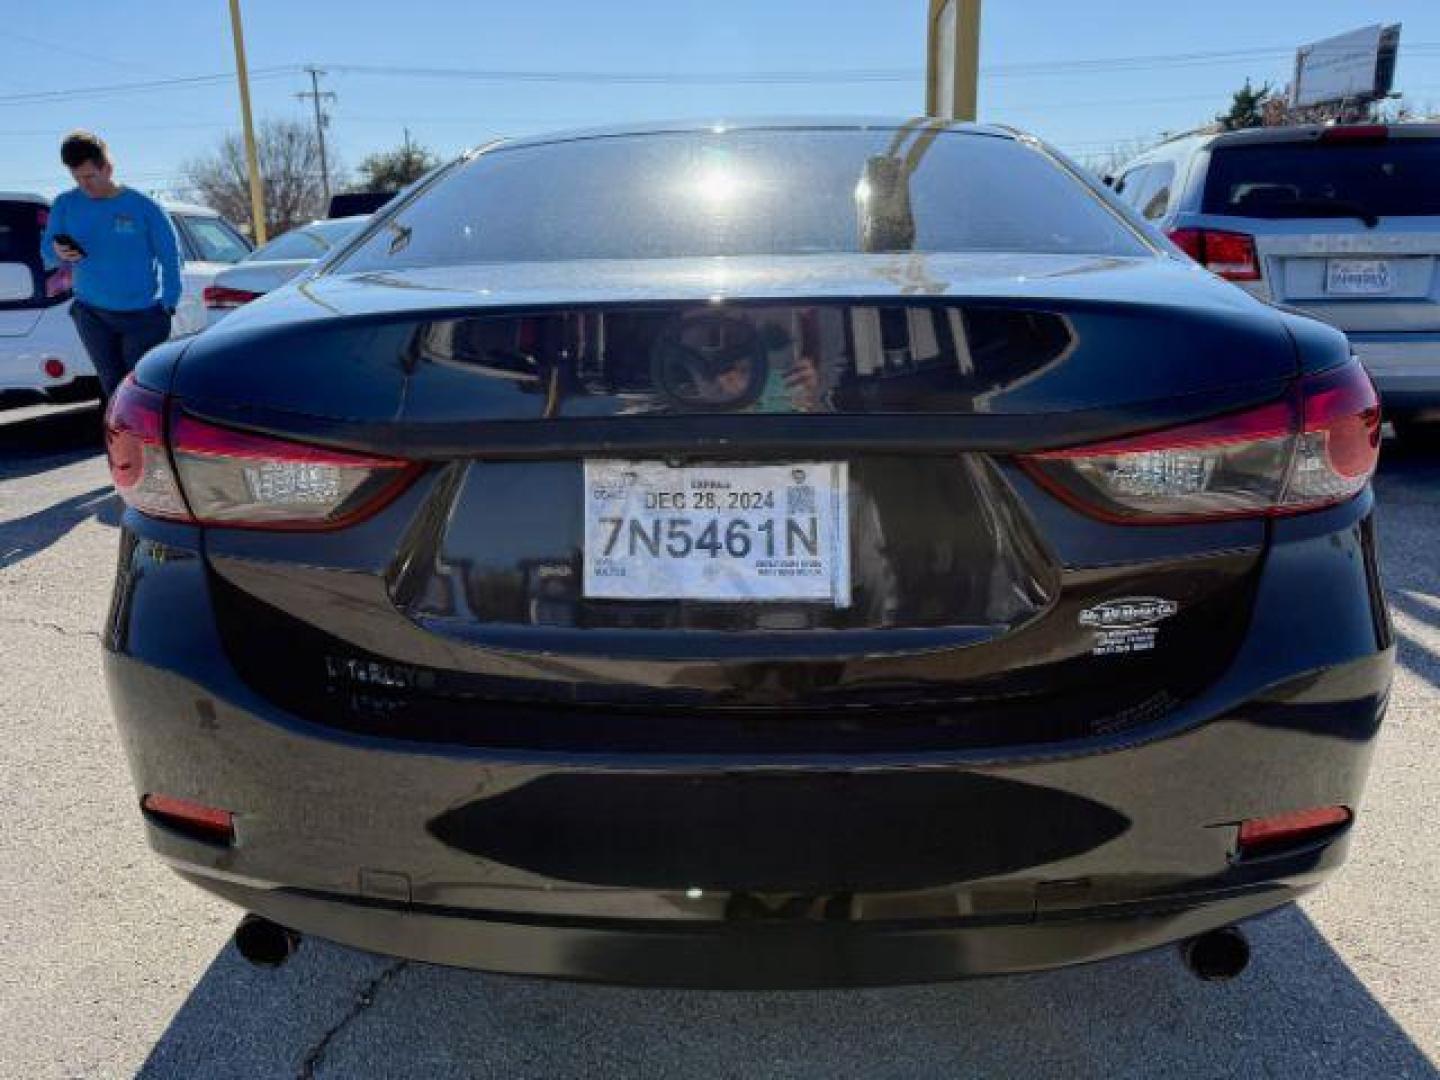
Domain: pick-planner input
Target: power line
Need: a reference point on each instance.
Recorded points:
(638, 78)
(1076, 66)
(138, 87)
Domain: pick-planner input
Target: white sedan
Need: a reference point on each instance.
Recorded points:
(272, 265)
(41, 357)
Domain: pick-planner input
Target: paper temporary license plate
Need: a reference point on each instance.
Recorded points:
(717, 532)
(1359, 277)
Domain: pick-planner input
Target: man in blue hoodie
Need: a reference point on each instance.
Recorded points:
(122, 250)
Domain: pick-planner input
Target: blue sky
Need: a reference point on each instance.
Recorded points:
(76, 45)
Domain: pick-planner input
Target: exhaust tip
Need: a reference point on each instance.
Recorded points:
(1216, 956)
(264, 943)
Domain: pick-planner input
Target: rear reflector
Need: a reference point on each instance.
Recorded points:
(194, 819)
(222, 298)
(255, 481)
(1315, 448)
(1228, 254)
(54, 367)
(135, 446)
(1293, 828)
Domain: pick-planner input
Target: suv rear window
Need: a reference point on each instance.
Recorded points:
(1396, 178)
(748, 192)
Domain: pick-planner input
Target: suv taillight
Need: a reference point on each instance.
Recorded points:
(1228, 254)
(1316, 448)
(234, 478)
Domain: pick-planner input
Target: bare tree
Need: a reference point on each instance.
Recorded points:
(289, 173)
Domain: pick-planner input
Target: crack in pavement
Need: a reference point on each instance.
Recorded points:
(363, 1000)
(42, 624)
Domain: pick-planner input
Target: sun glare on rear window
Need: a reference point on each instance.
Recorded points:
(749, 192)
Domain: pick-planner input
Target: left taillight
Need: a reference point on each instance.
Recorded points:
(171, 465)
(140, 464)
(58, 282)
(1315, 448)
(245, 480)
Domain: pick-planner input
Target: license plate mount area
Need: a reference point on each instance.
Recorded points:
(755, 533)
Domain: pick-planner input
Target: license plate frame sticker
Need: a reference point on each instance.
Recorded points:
(1359, 277)
(729, 533)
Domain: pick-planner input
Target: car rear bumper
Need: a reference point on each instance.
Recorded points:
(1406, 370)
(779, 954)
(23, 378)
(785, 870)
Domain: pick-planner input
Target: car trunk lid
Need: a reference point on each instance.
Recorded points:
(965, 582)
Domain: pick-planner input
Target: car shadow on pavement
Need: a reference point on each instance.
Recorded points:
(36, 440)
(1297, 1011)
(23, 537)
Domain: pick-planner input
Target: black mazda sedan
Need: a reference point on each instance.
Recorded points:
(751, 555)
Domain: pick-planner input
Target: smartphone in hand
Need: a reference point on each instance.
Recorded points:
(70, 242)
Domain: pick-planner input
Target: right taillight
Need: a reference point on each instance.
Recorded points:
(1316, 448)
(223, 298)
(1231, 255)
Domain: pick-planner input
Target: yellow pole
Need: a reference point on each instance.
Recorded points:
(257, 194)
(952, 72)
(967, 61)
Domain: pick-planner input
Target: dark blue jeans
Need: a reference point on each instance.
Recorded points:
(116, 340)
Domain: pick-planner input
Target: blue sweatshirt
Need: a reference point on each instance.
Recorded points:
(131, 254)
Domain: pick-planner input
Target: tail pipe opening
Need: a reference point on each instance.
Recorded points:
(1216, 956)
(264, 943)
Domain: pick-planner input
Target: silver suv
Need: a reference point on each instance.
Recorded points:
(1342, 223)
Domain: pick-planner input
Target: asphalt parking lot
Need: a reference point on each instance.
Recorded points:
(112, 967)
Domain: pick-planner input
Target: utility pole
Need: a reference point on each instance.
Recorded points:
(952, 66)
(321, 119)
(257, 193)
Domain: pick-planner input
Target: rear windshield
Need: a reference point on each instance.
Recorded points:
(296, 244)
(778, 192)
(1397, 178)
(214, 240)
(21, 224)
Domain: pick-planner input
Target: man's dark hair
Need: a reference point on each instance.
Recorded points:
(82, 146)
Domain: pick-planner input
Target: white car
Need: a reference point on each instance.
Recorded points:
(272, 265)
(41, 357)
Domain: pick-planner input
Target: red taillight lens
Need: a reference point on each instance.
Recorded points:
(1262, 834)
(223, 299)
(254, 481)
(1314, 449)
(135, 447)
(1355, 133)
(196, 819)
(1229, 254)
(58, 282)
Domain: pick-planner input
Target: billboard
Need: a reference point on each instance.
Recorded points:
(1356, 66)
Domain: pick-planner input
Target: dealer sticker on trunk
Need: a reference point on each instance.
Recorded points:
(1127, 625)
(654, 531)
